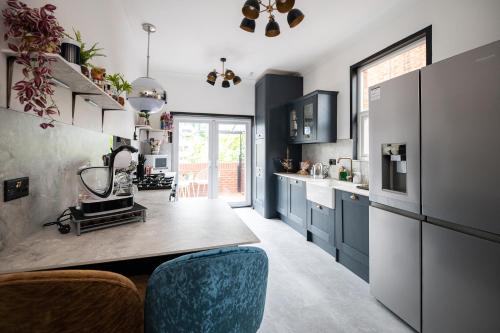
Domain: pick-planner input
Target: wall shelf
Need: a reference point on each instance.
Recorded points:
(78, 83)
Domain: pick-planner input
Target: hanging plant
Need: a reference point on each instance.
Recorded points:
(31, 33)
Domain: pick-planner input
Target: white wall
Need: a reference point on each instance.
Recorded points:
(191, 93)
(457, 26)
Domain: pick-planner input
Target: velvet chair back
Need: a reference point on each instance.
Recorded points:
(69, 301)
(213, 291)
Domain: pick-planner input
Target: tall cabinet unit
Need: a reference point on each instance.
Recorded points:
(271, 124)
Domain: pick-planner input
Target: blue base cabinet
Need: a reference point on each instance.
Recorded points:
(351, 232)
(321, 227)
(291, 203)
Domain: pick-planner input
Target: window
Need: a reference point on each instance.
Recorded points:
(408, 55)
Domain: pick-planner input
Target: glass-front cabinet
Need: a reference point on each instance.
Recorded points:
(313, 118)
(294, 123)
(309, 116)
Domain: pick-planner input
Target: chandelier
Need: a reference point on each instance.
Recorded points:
(252, 9)
(147, 95)
(226, 75)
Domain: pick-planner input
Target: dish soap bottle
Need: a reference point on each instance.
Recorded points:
(343, 173)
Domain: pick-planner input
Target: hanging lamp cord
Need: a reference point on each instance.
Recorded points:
(147, 62)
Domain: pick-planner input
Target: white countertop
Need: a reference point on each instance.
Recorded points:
(188, 225)
(328, 182)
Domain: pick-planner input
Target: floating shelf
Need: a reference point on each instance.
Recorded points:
(79, 84)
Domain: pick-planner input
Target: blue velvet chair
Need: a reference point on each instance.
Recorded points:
(221, 290)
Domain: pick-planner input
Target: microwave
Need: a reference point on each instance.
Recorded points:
(159, 163)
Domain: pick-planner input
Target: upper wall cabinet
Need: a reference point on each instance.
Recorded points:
(313, 118)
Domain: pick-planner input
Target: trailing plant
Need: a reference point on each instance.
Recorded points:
(86, 54)
(119, 83)
(31, 33)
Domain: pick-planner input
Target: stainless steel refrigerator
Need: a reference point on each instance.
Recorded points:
(435, 193)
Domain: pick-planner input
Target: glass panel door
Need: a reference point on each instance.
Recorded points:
(212, 158)
(193, 159)
(232, 162)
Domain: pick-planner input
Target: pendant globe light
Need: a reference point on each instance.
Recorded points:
(147, 94)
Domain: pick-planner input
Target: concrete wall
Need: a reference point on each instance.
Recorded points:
(457, 26)
(50, 158)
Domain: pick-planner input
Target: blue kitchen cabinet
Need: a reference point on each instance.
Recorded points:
(321, 226)
(351, 232)
(282, 195)
(291, 203)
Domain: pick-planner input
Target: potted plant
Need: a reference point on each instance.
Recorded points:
(144, 118)
(31, 34)
(120, 85)
(166, 121)
(86, 54)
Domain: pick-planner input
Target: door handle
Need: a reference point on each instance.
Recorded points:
(319, 207)
(354, 197)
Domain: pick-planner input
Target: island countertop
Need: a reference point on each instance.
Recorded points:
(171, 228)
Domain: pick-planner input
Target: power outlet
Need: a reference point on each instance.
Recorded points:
(16, 188)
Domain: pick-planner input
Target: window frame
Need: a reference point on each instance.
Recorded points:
(356, 116)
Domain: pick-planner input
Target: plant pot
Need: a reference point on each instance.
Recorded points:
(121, 101)
(70, 51)
(98, 73)
(141, 121)
(85, 71)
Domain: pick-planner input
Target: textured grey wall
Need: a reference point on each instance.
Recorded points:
(322, 152)
(50, 158)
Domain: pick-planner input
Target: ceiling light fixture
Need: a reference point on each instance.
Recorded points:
(147, 95)
(252, 9)
(226, 75)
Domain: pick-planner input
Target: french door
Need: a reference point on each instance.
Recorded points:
(212, 158)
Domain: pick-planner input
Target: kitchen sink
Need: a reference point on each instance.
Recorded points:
(321, 191)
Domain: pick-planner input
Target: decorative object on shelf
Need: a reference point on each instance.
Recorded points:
(287, 163)
(31, 33)
(252, 9)
(304, 168)
(98, 76)
(147, 95)
(226, 75)
(155, 146)
(86, 54)
(120, 85)
(144, 118)
(166, 121)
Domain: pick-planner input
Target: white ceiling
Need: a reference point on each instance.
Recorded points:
(193, 35)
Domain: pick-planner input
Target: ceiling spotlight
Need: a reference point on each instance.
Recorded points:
(248, 25)
(226, 75)
(294, 18)
(272, 28)
(252, 9)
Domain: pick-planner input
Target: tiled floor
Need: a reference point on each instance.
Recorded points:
(308, 292)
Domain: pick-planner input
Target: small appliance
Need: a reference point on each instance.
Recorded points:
(158, 163)
(107, 189)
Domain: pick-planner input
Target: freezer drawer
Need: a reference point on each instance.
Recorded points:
(460, 282)
(395, 143)
(460, 137)
(395, 263)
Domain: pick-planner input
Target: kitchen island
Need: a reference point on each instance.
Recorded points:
(171, 228)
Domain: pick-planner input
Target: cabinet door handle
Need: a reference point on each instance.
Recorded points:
(296, 182)
(319, 207)
(354, 197)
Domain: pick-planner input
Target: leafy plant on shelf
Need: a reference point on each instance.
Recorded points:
(31, 34)
(118, 82)
(86, 54)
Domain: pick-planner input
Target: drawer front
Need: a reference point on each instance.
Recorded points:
(320, 221)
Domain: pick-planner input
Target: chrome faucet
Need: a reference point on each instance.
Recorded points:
(349, 172)
(320, 170)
